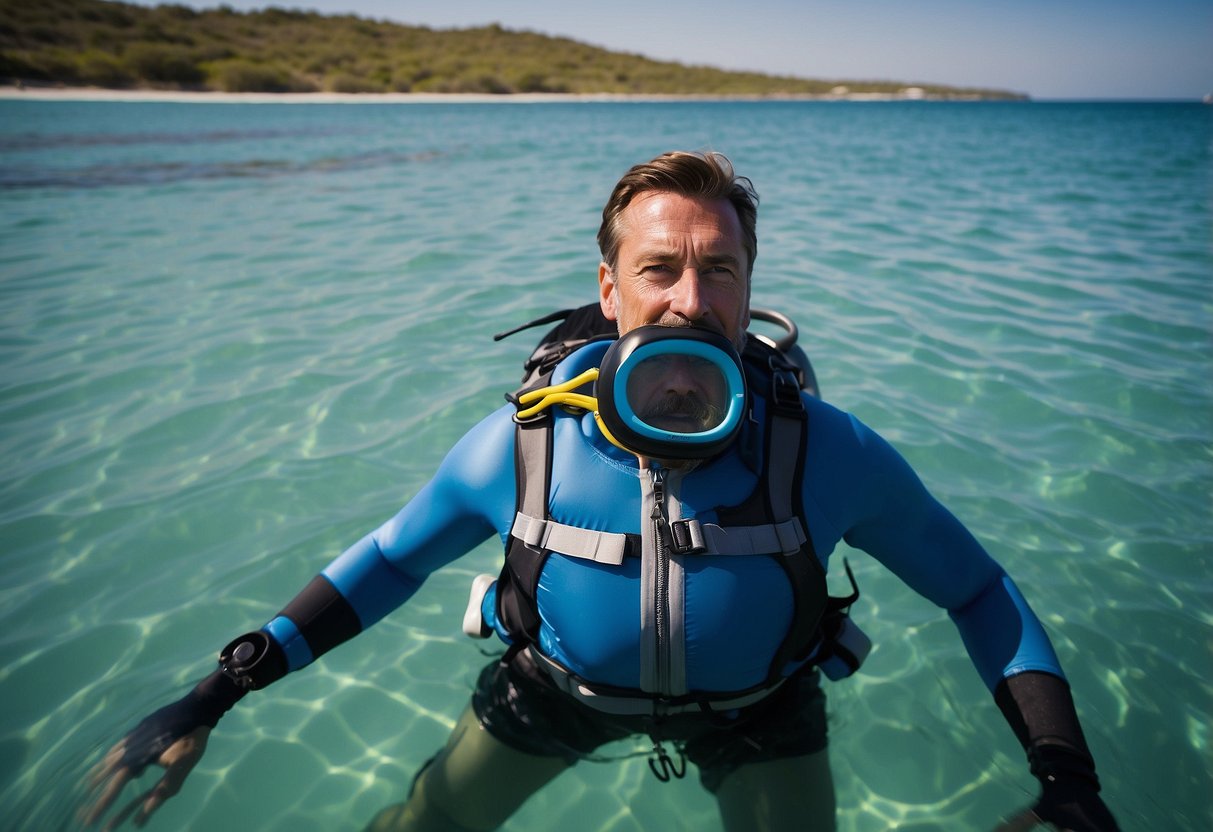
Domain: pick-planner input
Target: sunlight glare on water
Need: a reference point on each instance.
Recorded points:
(237, 337)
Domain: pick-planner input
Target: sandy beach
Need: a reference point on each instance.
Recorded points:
(184, 97)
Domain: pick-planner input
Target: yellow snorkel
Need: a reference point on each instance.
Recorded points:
(562, 394)
(659, 392)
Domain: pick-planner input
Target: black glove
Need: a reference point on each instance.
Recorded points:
(1040, 710)
(250, 662)
(1069, 797)
(204, 705)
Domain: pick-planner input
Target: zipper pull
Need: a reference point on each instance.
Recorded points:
(658, 477)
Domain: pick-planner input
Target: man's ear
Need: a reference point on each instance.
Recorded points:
(745, 323)
(607, 298)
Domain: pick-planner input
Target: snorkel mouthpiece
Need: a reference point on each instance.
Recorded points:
(671, 393)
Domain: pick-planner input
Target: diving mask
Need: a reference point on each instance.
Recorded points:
(672, 393)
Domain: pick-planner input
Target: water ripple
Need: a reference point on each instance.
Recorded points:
(234, 339)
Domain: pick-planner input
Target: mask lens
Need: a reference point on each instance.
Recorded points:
(670, 393)
(678, 393)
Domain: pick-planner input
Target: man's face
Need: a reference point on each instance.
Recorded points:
(679, 393)
(681, 262)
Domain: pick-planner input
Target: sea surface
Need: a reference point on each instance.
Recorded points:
(236, 337)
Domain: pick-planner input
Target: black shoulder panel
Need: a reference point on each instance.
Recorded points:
(577, 327)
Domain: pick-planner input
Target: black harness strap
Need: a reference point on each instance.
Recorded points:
(577, 327)
(518, 583)
(778, 498)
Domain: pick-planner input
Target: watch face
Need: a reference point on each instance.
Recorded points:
(241, 659)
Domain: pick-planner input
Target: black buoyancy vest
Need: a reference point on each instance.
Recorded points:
(775, 502)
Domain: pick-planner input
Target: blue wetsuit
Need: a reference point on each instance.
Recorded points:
(737, 610)
(723, 614)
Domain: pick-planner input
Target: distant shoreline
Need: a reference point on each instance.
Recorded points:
(11, 93)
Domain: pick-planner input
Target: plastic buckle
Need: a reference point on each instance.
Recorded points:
(687, 537)
(541, 416)
(785, 392)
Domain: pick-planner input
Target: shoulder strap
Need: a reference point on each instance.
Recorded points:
(519, 580)
(778, 496)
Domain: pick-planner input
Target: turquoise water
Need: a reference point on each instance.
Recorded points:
(236, 337)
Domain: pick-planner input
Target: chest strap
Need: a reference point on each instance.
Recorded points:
(601, 547)
(689, 537)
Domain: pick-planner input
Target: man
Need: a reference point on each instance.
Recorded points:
(666, 545)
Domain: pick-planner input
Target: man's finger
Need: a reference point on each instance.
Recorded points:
(179, 761)
(145, 811)
(120, 818)
(173, 780)
(120, 778)
(1023, 822)
(168, 786)
(107, 765)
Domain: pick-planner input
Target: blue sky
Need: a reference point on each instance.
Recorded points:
(1059, 49)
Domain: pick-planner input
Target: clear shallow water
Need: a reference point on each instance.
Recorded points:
(233, 338)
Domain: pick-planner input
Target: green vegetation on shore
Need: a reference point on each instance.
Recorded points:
(172, 47)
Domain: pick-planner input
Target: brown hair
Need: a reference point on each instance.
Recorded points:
(702, 175)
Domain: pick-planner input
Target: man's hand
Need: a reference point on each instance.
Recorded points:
(1025, 821)
(1071, 805)
(123, 763)
(173, 737)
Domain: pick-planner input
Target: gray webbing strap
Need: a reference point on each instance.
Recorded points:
(532, 451)
(785, 435)
(606, 547)
(601, 547)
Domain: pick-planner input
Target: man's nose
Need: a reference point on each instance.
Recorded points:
(680, 376)
(687, 301)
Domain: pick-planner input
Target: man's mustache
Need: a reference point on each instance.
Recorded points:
(678, 322)
(685, 406)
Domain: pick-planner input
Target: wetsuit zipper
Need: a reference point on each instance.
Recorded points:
(661, 612)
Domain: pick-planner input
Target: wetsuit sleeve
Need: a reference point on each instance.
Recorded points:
(470, 497)
(1040, 710)
(898, 522)
(893, 517)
